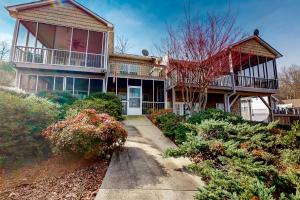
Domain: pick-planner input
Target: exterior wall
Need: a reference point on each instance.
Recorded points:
(66, 15)
(133, 66)
(253, 47)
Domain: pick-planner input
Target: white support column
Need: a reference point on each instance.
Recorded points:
(106, 50)
(226, 103)
(166, 95)
(54, 82)
(116, 85)
(173, 99)
(87, 47)
(153, 93)
(70, 49)
(89, 86)
(37, 83)
(14, 41)
(104, 84)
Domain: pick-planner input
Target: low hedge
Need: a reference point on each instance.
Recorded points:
(88, 134)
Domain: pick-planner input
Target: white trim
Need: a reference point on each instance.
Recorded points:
(87, 47)
(36, 83)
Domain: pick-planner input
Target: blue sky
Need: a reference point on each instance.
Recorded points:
(144, 22)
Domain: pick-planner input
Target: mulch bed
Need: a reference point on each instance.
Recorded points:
(57, 178)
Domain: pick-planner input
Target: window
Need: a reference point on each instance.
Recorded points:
(270, 69)
(79, 41)
(62, 38)
(81, 87)
(59, 83)
(96, 85)
(96, 43)
(69, 85)
(220, 106)
(133, 69)
(95, 48)
(45, 83)
(28, 83)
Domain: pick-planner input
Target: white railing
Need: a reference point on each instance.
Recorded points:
(148, 106)
(58, 57)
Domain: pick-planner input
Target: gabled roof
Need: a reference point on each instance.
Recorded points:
(261, 42)
(35, 4)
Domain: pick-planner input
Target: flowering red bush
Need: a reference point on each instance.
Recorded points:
(88, 134)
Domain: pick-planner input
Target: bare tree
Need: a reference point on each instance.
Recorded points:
(4, 50)
(123, 45)
(198, 53)
(289, 80)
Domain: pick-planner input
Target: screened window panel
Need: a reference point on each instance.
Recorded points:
(69, 85)
(95, 42)
(96, 85)
(81, 87)
(28, 83)
(45, 83)
(59, 83)
(62, 38)
(79, 42)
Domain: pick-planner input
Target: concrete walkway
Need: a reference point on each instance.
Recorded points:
(139, 171)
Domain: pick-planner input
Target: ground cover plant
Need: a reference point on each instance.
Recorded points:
(241, 160)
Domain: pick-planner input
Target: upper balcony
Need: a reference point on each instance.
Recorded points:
(45, 46)
(251, 73)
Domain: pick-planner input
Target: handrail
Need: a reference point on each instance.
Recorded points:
(60, 50)
(58, 57)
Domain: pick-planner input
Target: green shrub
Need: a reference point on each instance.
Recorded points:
(109, 96)
(215, 114)
(88, 134)
(100, 105)
(181, 133)
(22, 121)
(63, 99)
(168, 122)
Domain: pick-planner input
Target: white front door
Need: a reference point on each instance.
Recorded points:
(134, 106)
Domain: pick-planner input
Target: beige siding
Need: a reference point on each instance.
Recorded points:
(253, 47)
(66, 15)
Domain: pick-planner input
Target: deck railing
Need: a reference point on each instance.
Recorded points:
(148, 106)
(254, 82)
(58, 57)
(239, 81)
(132, 69)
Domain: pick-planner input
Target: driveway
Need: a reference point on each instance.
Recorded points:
(140, 172)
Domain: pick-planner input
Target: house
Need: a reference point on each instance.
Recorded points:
(62, 45)
(254, 109)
